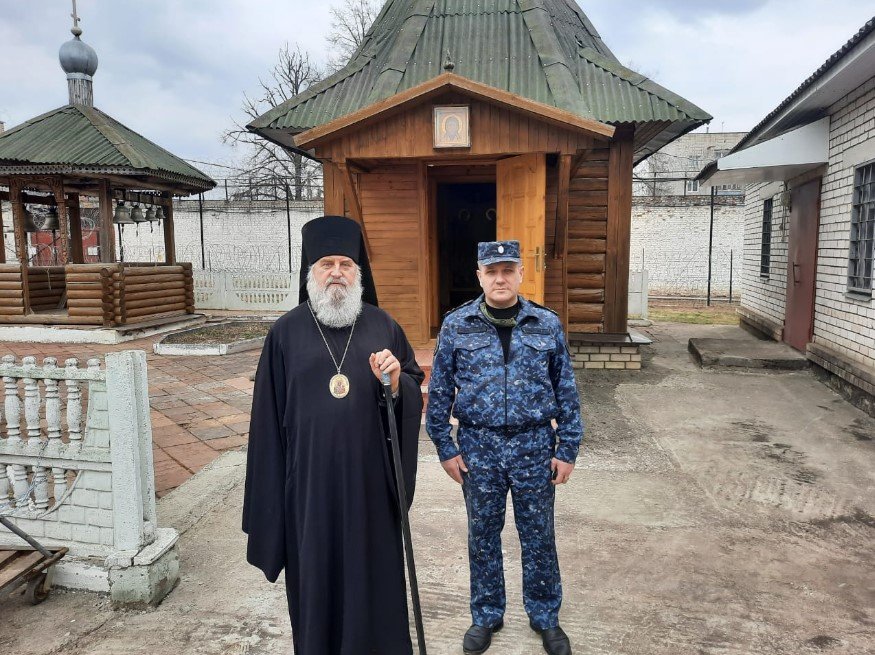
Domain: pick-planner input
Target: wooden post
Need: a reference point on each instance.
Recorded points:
(425, 258)
(352, 201)
(169, 235)
(619, 232)
(64, 225)
(20, 238)
(77, 252)
(106, 228)
(2, 237)
(333, 190)
(560, 237)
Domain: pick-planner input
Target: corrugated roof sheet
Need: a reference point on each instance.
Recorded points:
(544, 50)
(76, 135)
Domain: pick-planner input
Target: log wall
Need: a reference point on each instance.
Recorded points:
(11, 290)
(45, 287)
(142, 292)
(90, 293)
(587, 243)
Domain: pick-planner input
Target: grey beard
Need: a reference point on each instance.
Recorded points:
(334, 306)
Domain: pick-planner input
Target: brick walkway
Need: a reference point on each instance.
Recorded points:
(200, 405)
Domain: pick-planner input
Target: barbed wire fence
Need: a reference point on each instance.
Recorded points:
(243, 224)
(685, 274)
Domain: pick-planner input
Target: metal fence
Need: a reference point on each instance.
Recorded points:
(690, 273)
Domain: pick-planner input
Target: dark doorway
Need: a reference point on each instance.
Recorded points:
(465, 216)
(802, 264)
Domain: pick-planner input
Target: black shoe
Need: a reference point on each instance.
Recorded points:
(478, 639)
(554, 639)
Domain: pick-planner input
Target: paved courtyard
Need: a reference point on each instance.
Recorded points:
(713, 512)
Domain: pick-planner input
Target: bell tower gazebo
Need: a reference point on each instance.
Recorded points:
(54, 160)
(457, 122)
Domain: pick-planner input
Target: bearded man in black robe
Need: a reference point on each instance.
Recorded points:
(320, 498)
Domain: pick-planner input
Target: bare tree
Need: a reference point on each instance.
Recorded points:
(269, 165)
(350, 22)
(656, 169)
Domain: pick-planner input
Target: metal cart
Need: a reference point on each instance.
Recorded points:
(32, 566)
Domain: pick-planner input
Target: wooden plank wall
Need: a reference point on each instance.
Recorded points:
(587, 243)
(391, 206)
(494, 130)
(45, 286)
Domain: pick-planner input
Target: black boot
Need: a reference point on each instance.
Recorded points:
(554, 639)
(478, 638)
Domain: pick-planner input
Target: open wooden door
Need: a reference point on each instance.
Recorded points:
(521, 184)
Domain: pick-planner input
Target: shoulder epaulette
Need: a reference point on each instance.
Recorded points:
(464, 304)
(552, 311)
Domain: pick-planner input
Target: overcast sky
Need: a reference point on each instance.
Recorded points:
(175, 70)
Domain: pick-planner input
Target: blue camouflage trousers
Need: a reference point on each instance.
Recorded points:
(497, 462)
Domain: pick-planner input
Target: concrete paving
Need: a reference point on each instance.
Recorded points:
(713, 512)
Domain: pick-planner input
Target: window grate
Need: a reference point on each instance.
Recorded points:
(766, 247)
(862, 231)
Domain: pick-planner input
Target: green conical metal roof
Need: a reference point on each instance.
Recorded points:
(77, 139)
(543, 50)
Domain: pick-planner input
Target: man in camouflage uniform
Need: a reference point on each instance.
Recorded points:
(503, 367)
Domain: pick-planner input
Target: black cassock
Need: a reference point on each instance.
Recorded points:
(320, 498)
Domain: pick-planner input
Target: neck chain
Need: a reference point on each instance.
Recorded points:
(501, 322)
(339, 384)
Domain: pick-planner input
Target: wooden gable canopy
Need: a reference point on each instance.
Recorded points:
(444, 83)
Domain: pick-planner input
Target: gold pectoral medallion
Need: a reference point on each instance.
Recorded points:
(339, 386)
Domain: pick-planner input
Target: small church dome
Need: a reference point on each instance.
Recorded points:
(78, 57)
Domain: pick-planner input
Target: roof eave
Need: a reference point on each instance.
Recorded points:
(856, 57)
(444, 82)
(182, 184)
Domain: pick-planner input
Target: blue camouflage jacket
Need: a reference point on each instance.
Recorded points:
(470, 378)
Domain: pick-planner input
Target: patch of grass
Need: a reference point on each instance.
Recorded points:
(687, 312)
(222, 333)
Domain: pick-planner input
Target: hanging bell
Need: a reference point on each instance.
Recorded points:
(159, 215)
(150, 214)
(51, 223)
(122, 214)
(137, 214)
(29, 222)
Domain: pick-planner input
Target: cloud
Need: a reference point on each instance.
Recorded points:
(176, 71)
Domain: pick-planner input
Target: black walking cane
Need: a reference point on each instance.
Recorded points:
(402, 506)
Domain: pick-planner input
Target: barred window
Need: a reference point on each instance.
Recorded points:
(766, 247)
(862, 231)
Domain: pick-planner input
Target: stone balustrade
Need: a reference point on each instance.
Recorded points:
(76, 470)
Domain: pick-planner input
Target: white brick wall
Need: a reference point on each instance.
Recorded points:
(764, 295)
(237, 235)
(842, 323)
(670, 241)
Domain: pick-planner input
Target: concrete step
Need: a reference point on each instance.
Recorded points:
(746, 353)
